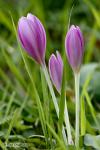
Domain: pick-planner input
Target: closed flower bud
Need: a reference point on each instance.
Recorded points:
(32, 36)
(56, 70)
(74, 46)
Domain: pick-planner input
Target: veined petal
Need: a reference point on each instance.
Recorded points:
(74, 47)
(56, 70)
(32, 37)
(40, 34)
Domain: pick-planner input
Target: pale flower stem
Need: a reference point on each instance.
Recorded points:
(67, 122)
(77, 101)
(45, 71)
(51, 89)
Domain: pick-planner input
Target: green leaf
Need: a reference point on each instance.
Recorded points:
(93, 141)
(91, 107)
(87, 70)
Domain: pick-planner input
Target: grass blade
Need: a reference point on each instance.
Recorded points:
(57, 137)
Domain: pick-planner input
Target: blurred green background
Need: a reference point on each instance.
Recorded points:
(15, 86)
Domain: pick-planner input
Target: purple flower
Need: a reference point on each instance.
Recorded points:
(32, 36)
(74, 46)
(56, 70)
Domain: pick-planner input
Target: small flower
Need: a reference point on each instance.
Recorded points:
(74, 46)
(32, 36)
(56, 70)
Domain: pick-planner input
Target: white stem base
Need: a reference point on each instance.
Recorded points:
(67, 122)
(77, 77)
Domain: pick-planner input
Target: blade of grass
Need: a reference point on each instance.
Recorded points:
(5, 77)
(61, 143)
(46, 103)
(5, 20)
(9, 103)
(63, 105)
(23, 105)
(83, 117)
(2, 145)
(91, 107)
(7, 80)
(6, 45)
(45, 96)
(94, 11)
(5, 92)
(91, 45)
(13, 120)
(14, 69)
(65, 19)
(63, 113)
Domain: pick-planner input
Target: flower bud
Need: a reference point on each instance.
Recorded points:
(56, 70)
(74, 46)
(32, 36)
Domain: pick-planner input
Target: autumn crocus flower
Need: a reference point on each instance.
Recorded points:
(74, 46)
(32, 36)
(56, 74)
(56, 70)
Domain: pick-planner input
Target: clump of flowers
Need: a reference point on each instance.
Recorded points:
(32, 37)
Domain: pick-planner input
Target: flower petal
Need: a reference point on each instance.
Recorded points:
(56, 70)
(32, 37)
(74, 47)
